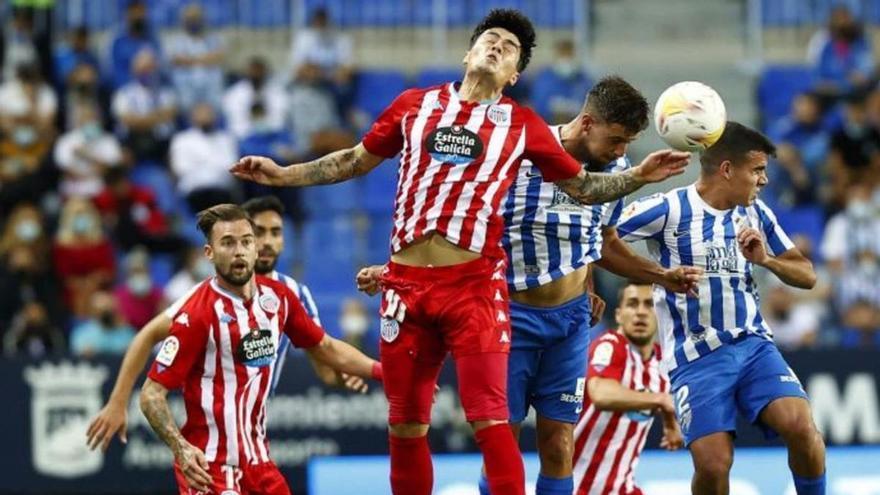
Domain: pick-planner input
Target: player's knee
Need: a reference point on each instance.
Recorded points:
(797, 429)
(715, 465)
(408, 430)
(485, 423)
(555, 449)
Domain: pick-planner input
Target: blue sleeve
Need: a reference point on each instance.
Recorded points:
(643, 219)
(309, 303)
(777, 239)
(612, 213)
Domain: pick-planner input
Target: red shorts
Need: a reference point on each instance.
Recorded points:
(428, 312)
(253, 479)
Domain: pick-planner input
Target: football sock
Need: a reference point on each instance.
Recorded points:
(504, 465)
(809, 486)
(412, 472)
(554, 486)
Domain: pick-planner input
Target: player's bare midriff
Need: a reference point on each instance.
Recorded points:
(557, 292)
(433, 250)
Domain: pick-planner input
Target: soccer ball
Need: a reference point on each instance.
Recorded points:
(690, 116)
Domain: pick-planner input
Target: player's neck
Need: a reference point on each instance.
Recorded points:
(713, 195)
(645, 350)
(475, 88)
(245, 291)
(569, 134)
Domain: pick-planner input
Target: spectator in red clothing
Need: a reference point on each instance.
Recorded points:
(132, 215)
(137, 297)
(82, 254)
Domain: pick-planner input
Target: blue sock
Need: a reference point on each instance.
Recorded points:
(556, 486)
(484, 485)
(809, 486)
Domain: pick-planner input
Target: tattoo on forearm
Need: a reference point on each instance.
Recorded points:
(596, 188)
(329, 169)
(155, 408)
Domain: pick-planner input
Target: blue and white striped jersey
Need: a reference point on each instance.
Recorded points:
(681, 230)
(548, 234)
(305, 297)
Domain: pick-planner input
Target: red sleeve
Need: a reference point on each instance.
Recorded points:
(299, 326)
(385, 137)
(181, 350)
(607, 359)
(545, 152)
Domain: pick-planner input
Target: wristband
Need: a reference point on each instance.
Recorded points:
(376, 372)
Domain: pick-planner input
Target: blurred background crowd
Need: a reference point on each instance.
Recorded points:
(108, 147)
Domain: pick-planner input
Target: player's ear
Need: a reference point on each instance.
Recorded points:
(209, 252)
(587, 121)
(513, 79)
(726, 169)
(617, 316)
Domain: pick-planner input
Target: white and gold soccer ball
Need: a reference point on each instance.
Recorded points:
(690, 116)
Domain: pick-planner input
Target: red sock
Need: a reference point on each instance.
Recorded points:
(504, 464)
(411, 470)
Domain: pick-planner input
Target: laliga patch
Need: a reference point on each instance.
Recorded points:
(390, 329)
(257, 348)
(270, 303)
(602, 356)
(168, 351)
(454, 144)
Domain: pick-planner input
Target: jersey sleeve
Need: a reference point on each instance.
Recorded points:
(612, 213)
(309, 303)
(777, 239)
(385, 137)
(180, 351)
(607, 358)
(545, 152)
(643, 219)
(299, 327)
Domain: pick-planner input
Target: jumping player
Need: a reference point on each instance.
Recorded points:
(718, 348)
(461, 146)
(221, 349)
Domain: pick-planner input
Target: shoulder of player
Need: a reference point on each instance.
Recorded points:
(197, 306)
(610, 338)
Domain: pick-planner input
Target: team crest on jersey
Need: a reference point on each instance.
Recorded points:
(270, 303)
(390, 329)
(454, 144)
(499, 114)
(257, 348)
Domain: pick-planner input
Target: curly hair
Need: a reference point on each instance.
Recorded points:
(615, 101)
(515, 22)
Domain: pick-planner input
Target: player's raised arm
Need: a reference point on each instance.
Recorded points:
(609, 395)
(113, 418)
(791, 266)
(329, 169)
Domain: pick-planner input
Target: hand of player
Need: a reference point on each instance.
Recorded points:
(751, 243)
(672, 438)
(666, 406)
(194, 466)
(662, 164)
(684, 279)
(111, 420)
(352, 382)
(597, 308)
(259, 169)
(367, 279)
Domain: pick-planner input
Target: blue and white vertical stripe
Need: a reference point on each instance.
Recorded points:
(305, 297)
(548, 234)
(682, 230)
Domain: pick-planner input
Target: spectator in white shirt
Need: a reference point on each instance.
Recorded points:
(27, 104)
(195, 269)
(145, 110)
(201, 157)
(255, 87)
(196, 61)
(84, 153)
(853, 231)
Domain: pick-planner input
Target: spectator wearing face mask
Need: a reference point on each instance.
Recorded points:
(26, 267)
(20, 43)
(841, 55)
(27, 123)
(558, 90)
(200, 158)
(134, 38)
(857, 300)
(137, 297)
(196, 268)
(855, 150)
(82, 254)
(104, 332)
(84, 154)
(196, 61)
(255, 87)
(315, 124)
(354, 322)
(854, 230)
(33, 334)
(74, 53)
(802, 147)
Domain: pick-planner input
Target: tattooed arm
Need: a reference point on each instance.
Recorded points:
(596, 187)
(192, 462)
(329, 169)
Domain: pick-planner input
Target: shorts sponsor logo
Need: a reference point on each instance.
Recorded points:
(168, 351)
(571, 398)
(390, 329)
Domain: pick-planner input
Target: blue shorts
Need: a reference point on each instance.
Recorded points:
(743, 376)
(548, 360)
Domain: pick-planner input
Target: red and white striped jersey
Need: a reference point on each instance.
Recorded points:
(458, 160)
(222, 351)
(607, 444)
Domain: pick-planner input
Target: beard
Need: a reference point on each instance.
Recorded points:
(236, 279)
(640, 340)
(264, 267)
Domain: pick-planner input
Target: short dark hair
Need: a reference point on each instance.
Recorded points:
(615, 101)
(255, 206)
(735, 144)
(630, 282)
(515, 22)
(225, 212)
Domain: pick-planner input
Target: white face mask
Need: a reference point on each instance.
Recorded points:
(203, 269)
(354, 324)
(859, 209)
(24, 135)
(140, 284)
(565, 68)
(28, 230)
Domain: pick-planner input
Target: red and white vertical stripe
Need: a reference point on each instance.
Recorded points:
(608, 443)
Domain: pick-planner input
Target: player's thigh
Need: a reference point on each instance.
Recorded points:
(713, 453)
(411, 363)
(264, 479)
(704, 394)
(765, 378)
(790, 417)
(561, 378)
(482, 385)
(525, 357)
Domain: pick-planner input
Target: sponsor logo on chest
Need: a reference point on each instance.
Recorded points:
(257, 348)
(454, 144)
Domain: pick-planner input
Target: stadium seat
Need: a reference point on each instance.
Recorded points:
(336, 198)
(161, 268)
(808, 221)
(380, 187)
(378, 237)
(376, 89)
(331, 242)
(158, 179)
(437, 75)
(777, 87)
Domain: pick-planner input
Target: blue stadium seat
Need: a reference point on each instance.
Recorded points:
(161, 268)
(158, 179)
(808, 221)
(380, 187)
(376, 89)
(430, 76)
(777, 87)
(378, 238)
(321, 201)
(331, 243)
